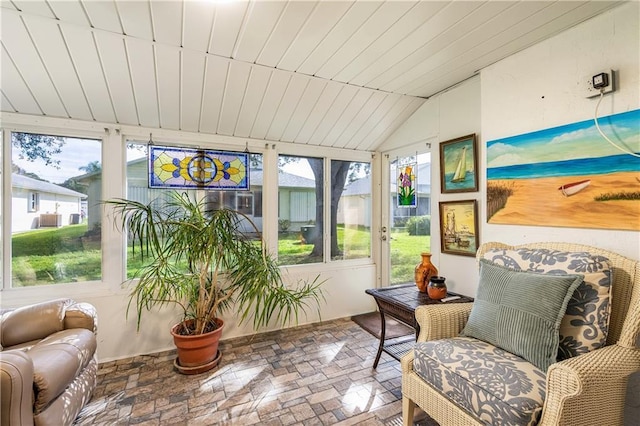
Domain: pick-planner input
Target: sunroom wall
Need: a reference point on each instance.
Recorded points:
(345, 281)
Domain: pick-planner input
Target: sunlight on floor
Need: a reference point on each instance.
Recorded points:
(362, 398)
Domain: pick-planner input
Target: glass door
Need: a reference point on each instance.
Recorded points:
(406, 215)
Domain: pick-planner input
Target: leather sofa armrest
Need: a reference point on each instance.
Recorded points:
(33, 322)
(590, 388)
(16, 388)
(442, 321)
(81, 315)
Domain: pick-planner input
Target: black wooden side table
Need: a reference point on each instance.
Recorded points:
(400, 302)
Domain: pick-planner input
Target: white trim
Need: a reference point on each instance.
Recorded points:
(80, 128)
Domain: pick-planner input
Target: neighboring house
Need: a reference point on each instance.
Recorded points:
(296, 199)
(38, 204)
(354, 208)
(356, 196)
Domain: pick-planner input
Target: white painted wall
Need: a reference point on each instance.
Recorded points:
(451, 114)
(535, 89)
(22, 219)
(118, 338)
(538, 89)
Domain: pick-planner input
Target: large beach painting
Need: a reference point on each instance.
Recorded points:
(568, 176)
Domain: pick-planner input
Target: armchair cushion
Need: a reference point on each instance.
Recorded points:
(57, 361)
(586, 323)
(499, 387)
(520, 312)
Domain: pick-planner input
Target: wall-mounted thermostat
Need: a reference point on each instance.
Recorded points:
(600, 80)
(596, 83)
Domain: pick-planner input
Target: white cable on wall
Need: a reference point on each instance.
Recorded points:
(595, 119)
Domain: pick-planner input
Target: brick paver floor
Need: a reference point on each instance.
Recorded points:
(316, 374)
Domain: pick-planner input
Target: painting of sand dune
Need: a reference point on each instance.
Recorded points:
(568, 176)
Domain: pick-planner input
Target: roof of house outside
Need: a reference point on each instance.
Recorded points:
(25, 182)
(285, 180)
(363, 186)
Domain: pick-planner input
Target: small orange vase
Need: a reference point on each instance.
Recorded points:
(424, 271)
(437, 288)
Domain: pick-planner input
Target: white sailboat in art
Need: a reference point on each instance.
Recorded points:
(461, 169)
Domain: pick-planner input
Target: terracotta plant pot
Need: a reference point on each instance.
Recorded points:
(197, 353)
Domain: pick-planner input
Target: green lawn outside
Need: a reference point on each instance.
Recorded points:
(355, 242)
(71, 253)
(405, 254)
(55, 255)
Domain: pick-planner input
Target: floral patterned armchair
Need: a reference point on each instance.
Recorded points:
(460, 380)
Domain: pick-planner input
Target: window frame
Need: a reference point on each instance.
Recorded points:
(33, 204)
(327, 155)
(113, 139)
(72, 288)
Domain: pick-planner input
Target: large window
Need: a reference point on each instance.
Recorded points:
(55, 213)
(300, 210)
(248, 203)
(350, 210)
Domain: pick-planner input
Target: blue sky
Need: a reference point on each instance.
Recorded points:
(75, 153)
(572, 141)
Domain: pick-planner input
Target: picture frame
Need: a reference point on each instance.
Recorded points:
(459, 165)
(459, 227)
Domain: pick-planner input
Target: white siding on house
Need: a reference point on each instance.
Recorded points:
(302, 207)
(22, 219)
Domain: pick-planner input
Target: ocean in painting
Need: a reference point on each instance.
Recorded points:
(525, 174)
(577, 167)
(576, 149)
(468, 182)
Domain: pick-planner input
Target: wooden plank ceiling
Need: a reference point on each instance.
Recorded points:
(331, 73)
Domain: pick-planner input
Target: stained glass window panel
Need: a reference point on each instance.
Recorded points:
(190, 168)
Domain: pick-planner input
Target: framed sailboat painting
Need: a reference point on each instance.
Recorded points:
(459, 165)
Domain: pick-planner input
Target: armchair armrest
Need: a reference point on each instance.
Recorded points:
(437, 322)
(16, 388)
(590, 389)
(81, 315)
(442, 321)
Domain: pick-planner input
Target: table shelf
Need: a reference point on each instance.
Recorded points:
(398, 347)
(400, 302)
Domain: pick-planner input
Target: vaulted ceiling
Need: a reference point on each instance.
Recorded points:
(331, 73)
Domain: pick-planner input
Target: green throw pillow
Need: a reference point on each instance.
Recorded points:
(520, 312)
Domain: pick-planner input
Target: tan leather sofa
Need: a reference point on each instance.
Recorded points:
(48, 362)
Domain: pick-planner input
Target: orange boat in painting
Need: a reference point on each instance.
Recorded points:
(574, 187)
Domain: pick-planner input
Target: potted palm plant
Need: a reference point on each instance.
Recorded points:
(205, 262)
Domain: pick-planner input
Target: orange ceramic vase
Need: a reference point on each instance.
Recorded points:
(424, 271)
(437, 288)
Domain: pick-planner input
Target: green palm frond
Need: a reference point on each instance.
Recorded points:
(205, 263)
